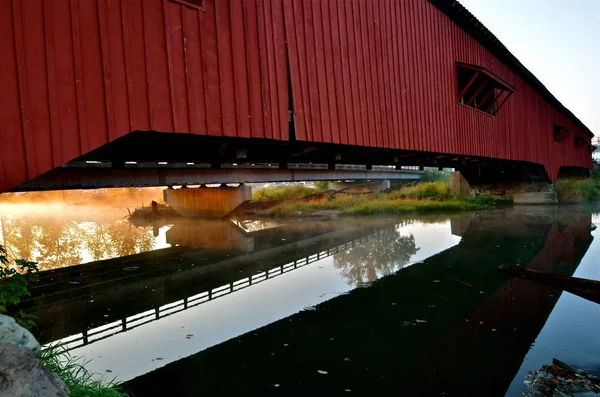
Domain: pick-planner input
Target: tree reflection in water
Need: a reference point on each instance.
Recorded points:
(384, 253)
(57, 243)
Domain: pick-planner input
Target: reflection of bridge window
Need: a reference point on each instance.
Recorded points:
(480, 89)
(560, 133)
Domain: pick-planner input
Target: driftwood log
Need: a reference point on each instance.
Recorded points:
(587, 289)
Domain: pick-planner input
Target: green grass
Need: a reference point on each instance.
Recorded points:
(420, 198)
(282, 192)
(438, 190)
(79, 381)
(578, 190)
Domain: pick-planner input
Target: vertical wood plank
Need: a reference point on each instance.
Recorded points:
(241, 83)
(51, 84)
(170, 71)
(321, 72)
(77, 58)
(112, 134)
(255, 94)
(128, 68)
(281, 73)
(23, 95)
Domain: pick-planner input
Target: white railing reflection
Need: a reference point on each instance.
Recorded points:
(107, 330)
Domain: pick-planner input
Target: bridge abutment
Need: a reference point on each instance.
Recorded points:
(207, 202)
(521, 192)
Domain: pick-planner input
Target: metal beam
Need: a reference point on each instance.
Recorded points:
(94, 178)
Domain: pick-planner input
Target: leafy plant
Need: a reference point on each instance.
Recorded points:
(14, 286)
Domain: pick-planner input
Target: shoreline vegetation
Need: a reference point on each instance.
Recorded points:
(425, 197)
(16, 279)
(578, 190)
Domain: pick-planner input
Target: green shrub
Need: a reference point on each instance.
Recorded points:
(14, 286)
(433, 175)
(321, 185)
(282, 192)
(578, 190)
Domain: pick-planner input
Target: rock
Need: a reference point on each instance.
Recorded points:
(13, 333)
(24, 376)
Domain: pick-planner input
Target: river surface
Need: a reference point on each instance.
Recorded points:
(363, 306)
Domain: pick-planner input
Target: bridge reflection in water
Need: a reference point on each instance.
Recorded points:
(85, 303)
(131, 322)
(450, 325)
(475, 317)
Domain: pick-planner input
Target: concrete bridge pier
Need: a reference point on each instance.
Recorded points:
(360, 186)
(207, 202)
(520, 191)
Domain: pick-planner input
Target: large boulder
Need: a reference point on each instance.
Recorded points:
(24, 376)
(13, 333)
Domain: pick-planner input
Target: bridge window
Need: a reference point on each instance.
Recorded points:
(197, 4)
(579, 143)
(560, 133)
(481, 89)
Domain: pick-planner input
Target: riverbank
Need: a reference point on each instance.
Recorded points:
(420, 198)
(578, 190)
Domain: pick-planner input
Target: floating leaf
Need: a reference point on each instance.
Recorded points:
(159, 358)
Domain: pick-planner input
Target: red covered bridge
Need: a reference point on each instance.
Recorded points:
(128, 87)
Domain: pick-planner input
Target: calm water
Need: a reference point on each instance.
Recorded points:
(369, 306)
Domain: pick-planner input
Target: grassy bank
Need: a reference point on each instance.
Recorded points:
(578, 190)
(420, 198)
(79, 381)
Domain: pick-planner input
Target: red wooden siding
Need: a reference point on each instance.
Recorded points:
(395, 74)
(77, 74)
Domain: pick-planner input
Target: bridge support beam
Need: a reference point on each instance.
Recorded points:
(207, 202)
(360, 186)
